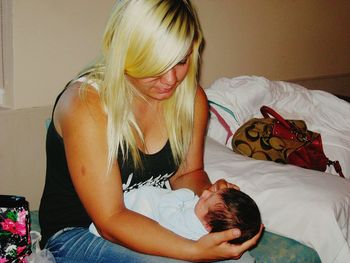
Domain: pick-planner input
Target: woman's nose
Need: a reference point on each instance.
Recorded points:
(169, 77)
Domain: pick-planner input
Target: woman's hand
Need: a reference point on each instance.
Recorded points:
(221, 184)
(215, 246)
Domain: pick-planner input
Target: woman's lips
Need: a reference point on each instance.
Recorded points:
(163, 90)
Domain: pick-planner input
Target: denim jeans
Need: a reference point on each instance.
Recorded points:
(78, 245)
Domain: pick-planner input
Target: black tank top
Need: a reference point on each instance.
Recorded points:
(60, 206)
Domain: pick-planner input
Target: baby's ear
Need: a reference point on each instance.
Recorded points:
(205, 194)
(207, 227)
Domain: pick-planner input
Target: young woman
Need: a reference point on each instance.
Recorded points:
(134, 117)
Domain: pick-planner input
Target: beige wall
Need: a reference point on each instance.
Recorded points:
(288, 39)
(283, 40)
(22, 152)
(52, 40)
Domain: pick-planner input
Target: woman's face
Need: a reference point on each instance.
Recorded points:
(163, 86)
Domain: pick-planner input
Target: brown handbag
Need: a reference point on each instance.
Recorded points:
(275, 139)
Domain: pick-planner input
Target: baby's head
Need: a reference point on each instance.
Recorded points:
(226, 209)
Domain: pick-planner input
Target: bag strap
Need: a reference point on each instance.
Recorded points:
(337, 167)
(267, 112)
(222, 122)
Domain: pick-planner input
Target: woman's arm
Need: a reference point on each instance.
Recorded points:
(191, 174)
(82, 124)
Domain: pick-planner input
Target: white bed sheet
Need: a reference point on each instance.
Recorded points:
(309, 206)
(322, 111)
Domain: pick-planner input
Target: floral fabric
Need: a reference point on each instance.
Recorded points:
(15, 242)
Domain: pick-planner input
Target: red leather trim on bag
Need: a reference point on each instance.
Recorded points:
(267, 112)
(310, 155)
(302, 156)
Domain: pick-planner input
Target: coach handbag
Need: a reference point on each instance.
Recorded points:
(275, 139)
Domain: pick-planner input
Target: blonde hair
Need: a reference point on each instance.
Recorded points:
(145, 38)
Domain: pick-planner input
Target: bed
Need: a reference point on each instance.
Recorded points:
(306, 213)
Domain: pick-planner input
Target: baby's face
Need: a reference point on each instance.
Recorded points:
(207, 201)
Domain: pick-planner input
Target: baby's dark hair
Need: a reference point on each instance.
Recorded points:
(238, 210)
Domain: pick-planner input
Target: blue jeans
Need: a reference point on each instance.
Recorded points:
(78, 245)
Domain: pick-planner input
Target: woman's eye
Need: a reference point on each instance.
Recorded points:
(183, 62)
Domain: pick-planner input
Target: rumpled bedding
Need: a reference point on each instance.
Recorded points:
(309, 206)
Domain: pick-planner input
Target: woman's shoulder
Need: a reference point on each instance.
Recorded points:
(79, 103)
(201, 93)
(201, 102)
(82, 93)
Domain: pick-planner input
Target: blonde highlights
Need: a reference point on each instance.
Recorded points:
(146, 38)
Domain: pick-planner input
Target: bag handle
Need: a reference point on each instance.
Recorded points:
(267, 112)
(337, 167)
